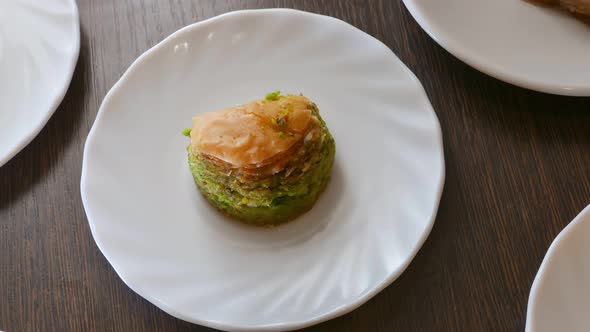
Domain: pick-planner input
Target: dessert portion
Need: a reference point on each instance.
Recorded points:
(264, 162)
(579, 8)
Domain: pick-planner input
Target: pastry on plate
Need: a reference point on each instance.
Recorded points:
(264, 162)
(580, 8)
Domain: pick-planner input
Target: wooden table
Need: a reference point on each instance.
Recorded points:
(518, 170)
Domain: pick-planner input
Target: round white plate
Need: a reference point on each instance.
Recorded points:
(560, 296)
(535, 47)
(172, 248)
(39, 45)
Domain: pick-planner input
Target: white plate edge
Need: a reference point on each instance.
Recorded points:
(547, 260)
(58, 98)
(501, 74)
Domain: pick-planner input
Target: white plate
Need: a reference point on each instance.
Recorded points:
(560, 296)
(172, 248)
(39, 45)
(539, 48)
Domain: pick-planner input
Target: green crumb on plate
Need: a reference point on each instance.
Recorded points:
(273, 95)
(187, 132)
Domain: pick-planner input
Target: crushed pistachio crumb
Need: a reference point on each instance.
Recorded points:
(273, 95)
(187, 132)
(282, 121)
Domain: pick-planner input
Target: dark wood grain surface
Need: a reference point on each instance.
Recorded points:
(518, 170)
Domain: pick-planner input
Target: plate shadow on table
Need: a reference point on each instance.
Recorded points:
(39, 159)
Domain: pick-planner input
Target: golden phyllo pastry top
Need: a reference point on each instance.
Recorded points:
(252, 134)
